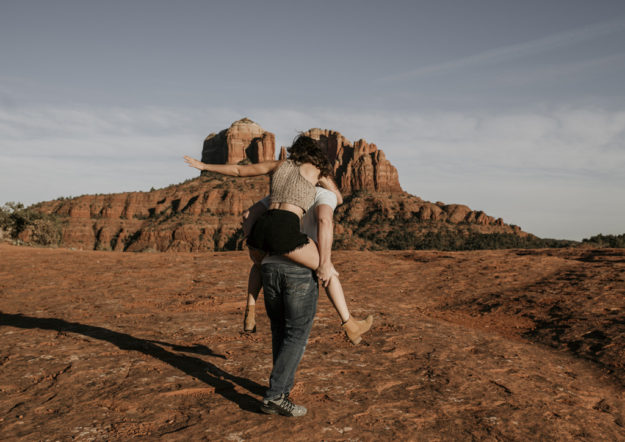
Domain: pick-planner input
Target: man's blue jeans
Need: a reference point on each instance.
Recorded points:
(290, 293)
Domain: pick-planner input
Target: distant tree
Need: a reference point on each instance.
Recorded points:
(45, 229)
(612, 241)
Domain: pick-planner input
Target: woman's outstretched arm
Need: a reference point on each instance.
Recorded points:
(329, 184)
(263, 168)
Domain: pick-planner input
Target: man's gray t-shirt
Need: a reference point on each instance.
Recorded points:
(309, 221)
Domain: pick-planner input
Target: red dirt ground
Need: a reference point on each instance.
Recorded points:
(496, 345)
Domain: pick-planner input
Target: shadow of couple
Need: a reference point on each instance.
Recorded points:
(222, 381)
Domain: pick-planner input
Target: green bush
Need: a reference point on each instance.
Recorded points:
(46, 232)
(45, 229)
(406, 237)
(612, 241)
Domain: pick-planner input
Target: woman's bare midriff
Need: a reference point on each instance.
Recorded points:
(289, 207)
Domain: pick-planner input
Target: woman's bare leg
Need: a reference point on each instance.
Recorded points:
(354, 329)
(254, 284)
(309, 256)
(254, 281)
(335, 293)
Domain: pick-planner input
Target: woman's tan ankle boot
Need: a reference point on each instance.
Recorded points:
(249, 322)
(354, 329)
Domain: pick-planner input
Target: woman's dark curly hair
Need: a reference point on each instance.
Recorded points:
(306, 150)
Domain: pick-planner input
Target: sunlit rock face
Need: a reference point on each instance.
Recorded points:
(244, 139)
(205, 213)
(359, 165)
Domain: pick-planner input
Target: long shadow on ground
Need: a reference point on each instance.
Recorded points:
(222, 381)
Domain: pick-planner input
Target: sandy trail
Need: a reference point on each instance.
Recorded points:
(499, 345)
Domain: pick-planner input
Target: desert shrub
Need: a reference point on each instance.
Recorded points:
(404, 236)
(46, 232)
(45, 229)
(10, 217)
(5, 217)
(400, 239)
(612, 241)
(235, 241)
(482, 241)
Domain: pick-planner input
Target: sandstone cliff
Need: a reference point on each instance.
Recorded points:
(243, 139)
(205, 213)
(359, 165)
(380, 221)
(198, 215)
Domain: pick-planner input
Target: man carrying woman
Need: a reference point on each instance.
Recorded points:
(290, 288)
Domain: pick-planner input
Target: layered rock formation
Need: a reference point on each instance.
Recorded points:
(198, 215)
(379, 221)
(244, 139)
(359, 165)
(205, 213)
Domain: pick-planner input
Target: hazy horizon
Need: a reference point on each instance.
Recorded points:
(516, 109)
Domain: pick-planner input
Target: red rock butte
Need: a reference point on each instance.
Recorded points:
(205, 213)
(357, 166)
(243, 139)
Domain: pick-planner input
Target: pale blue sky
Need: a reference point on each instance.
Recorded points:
(515, 108)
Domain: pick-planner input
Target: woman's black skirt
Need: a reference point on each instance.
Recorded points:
(277, 233)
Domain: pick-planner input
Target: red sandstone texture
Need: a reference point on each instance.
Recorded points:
(357, 166)
(487, 345)
(201, 214)
(243, 139)
(205, 213)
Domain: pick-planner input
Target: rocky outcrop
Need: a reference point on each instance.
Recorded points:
(244, 139)
(400, 220)
(358, 166)
(198, 215)
(205, 213)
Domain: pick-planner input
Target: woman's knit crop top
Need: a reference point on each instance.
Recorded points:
(289, 186)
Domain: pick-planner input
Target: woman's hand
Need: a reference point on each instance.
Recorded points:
(326, 272)
(192, 162)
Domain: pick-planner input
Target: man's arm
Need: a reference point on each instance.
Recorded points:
(325, 232)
